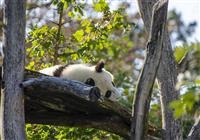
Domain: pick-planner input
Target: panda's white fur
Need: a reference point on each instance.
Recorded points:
(82, 72)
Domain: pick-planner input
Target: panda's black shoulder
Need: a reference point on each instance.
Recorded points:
(59, 70)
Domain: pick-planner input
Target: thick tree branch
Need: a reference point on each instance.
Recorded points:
(167, 77)
(56, 84)
(148, 74)
(51, 100)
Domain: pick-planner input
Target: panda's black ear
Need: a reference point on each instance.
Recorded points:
(100, 66)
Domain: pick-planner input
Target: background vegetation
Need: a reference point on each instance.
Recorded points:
(68, 31)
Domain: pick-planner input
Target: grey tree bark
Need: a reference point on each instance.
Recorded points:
(12, 100)
(167, 77)
(149, 71)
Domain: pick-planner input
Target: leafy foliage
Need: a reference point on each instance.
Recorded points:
(88, 32)
(190, 97)
(189, 83)
(89, 40)
(46, 132)
(180, 52)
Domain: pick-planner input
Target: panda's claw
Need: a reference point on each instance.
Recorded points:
(101, 99)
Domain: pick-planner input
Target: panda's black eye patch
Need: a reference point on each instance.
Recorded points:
(108, 94)
(90, 82)
(113, 84)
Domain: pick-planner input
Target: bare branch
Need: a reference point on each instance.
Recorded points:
(182, 64)
(195, 131)
(57, 41)
(167, 77)
(148, 74)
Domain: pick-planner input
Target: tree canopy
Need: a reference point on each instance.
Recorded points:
(69, 31)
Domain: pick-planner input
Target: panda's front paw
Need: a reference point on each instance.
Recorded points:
(94, 94)
(101, 99)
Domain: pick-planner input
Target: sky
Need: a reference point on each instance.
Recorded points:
(189, 9)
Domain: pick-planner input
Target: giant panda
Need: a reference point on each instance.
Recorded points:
(92, 75)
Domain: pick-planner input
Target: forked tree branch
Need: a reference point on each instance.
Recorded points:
(167, 77)
(148, 74)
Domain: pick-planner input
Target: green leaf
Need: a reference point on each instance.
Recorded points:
(30, 65)
(109, 26)
(60, 6)
(71, 14)
(79, 35)
(188, 97)
(179, 108)
(197, 82)
(179, 112)
(66, 4)
(80, 10)
(180, 52)
(74, 56)
(88, 29)
(101, 6)
(85, 23)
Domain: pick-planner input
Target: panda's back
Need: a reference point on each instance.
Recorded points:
(80, 72)
(50, 71)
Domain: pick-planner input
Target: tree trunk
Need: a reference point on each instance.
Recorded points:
(12, 100)
(167, 77)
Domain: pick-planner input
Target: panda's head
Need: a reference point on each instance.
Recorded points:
(103, 79)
